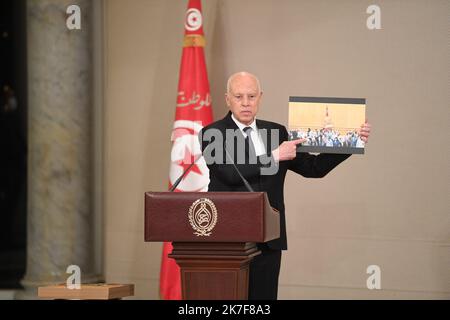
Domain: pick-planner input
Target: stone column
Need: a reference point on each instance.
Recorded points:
(60, 218)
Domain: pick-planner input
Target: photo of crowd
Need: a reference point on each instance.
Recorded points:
(327, 138)
(328, 124)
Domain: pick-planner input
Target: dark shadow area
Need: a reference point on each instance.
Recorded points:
(13, 142)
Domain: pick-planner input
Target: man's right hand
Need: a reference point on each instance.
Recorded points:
(287, 150)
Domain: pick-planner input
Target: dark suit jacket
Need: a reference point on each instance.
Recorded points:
(223, 177)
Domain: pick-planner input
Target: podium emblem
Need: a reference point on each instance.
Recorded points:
(203, 217)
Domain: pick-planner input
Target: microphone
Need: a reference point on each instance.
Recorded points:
(177, 182)
(247, 185)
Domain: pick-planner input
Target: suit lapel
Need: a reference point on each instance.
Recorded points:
(229, 123)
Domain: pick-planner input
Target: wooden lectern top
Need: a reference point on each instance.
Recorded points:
(101, 291)
(210, 217)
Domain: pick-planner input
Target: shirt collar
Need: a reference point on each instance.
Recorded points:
(241, 126)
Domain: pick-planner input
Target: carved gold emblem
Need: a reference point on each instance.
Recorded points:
(203, 216)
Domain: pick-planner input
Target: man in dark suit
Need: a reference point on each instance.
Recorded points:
(263, 160)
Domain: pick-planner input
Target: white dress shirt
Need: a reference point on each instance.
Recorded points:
(254, 135)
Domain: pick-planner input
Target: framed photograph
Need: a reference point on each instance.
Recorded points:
(329, 125)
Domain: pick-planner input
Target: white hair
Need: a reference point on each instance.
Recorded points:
(243, 73)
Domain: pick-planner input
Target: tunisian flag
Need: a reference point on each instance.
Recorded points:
(193, 112)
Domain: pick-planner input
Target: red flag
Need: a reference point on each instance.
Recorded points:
(193, 112)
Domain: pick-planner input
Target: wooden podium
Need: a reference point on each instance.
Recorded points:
(214, 237)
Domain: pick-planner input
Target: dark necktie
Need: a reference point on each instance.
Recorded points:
(249, 142)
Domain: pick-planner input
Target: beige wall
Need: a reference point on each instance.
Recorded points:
(389, 207)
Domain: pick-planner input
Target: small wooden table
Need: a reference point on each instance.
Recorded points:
(100, 291)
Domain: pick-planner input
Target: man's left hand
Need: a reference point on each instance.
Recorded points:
(364, 132)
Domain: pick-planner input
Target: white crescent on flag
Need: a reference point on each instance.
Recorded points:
(194, 20)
